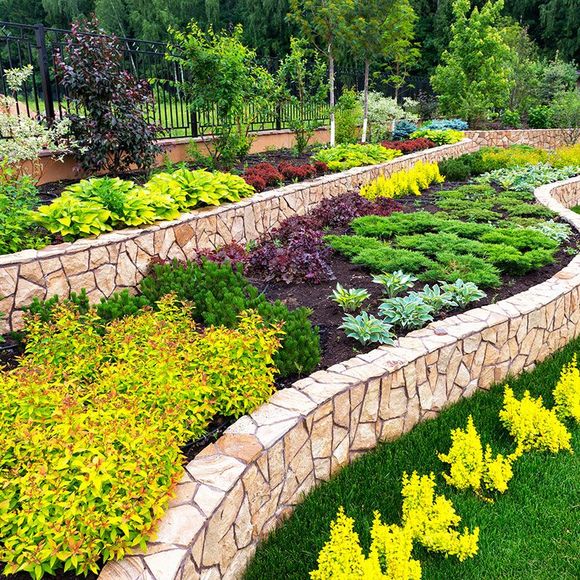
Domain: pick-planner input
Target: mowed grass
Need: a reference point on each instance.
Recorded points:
(530, 532)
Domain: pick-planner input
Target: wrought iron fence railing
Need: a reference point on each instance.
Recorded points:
(43, 97)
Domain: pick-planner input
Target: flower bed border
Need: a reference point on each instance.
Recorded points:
(238, 489)
(120, 259)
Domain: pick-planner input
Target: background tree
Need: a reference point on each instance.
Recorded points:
(302, 83)
(223, 78)
(473, 79)
(383, 30)
(324, 23)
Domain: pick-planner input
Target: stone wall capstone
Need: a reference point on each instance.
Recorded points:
(238, 489)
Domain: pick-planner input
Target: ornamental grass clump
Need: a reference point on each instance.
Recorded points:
(405, 182)
(92, 425)
(532, 425)
(471, 467)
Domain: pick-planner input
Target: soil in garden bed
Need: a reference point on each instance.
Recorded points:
(326, 314)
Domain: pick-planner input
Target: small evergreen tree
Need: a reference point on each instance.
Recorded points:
(473, 80)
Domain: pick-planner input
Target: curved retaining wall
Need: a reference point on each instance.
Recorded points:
(237, 490)
(542, 138)
(120, 259)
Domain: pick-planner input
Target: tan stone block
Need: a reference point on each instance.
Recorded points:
(322, 468)
(365, 437)
(179, 525)
(27, 291)
(219, 471)
(183, 493)
(243, 447)
(392, 429)
(126, 275)
(105, 279)
(321, 437)
(57, 285)
(370, 407)
(342, 409)
(76, 263)
(32, 272)
(86, 281)
(396, 405)
(183, 234)
(220, 526)
(98, 257)
(8, 279)
(207, 498)
(164, 565)
(294, 442)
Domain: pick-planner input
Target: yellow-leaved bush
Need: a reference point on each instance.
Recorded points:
(93, 419)
(471, 467)
(433, 520)
(532, 425)
(567, 392)
(428, 519)
(405, 182)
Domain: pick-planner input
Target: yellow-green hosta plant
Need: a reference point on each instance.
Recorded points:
(471, 467)
(191, 189)
(405, 182)
(93, 420)
(567, 392)
(532, 425)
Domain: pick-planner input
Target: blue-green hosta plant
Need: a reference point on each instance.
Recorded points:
(349, 299)
(527, 177)
(408, 312)
(367, 329)
(554, 230)
(463, 293)
(394, 283)
(436, 298)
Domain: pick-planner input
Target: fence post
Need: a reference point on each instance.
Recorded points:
(40, 34)
(194, 125)
(278, 116)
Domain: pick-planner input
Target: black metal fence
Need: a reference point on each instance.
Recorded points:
(43, 98)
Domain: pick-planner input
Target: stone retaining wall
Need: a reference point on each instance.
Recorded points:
(237, 490)
(542, 138)
(120, 259)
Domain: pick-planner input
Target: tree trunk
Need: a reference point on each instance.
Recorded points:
(366, 103)
(332, 98)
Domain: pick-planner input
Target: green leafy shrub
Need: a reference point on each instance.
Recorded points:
(540, 117)
(367, 329)
(407, 312)
(455, 169)
(451, 266)
(527, 178)
(554, 230)
(91, 427)
(398, 223)
(346, 156)
(348, 115)
(17, 198)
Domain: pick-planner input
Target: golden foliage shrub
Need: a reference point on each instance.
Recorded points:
(404, 182)
(471, 467)
(567, 392)
(92, 423)
(532, 425)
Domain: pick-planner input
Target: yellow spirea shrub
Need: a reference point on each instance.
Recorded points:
(92, 422)
(567, 392)
(565, 156)
(404, 182)
(433, 520)
(470, 467)
(532, 425)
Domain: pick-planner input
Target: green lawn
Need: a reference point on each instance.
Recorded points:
(530, 532)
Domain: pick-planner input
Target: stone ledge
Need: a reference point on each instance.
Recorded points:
(237, 490)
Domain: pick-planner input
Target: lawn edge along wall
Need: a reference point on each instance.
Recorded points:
(239, 488)
(120, 259)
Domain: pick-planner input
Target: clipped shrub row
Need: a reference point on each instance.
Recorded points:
(92, 423)
(438, 136)
(263, 175)
(347, 156)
